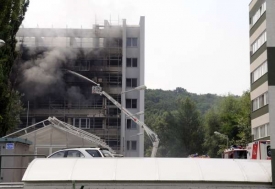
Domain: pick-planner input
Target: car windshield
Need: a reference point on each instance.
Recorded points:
(106, 153)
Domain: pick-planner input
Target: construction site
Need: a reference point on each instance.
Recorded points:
(111, 55)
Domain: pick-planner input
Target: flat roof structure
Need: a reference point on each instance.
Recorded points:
(149, 170)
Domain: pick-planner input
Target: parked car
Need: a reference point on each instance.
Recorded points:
(82, 153)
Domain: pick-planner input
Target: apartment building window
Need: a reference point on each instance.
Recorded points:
(131, 145)
(131, 42)
(131, 103)
(87, 123)
(131, 82)
(82, 123)
(113, 122)
(131, 62)
(260, 101)
(131, 124)
(113, 111)
(258, 14)
(261, 131)
(259, 72)
(259, 42)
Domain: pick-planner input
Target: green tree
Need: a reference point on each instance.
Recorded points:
(189, 129)
(244, 120)
(166, 127)
(231, 117)
(180, 131)
(12, 13)
(212, 142)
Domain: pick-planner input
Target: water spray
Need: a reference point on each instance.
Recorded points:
(79, 75)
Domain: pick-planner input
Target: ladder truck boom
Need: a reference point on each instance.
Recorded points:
(152, 136)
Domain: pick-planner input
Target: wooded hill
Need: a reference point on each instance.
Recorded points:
(185, 122)
(158, 100)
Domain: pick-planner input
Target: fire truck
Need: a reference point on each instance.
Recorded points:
(259, 150)
(235, 152)
(254, 150)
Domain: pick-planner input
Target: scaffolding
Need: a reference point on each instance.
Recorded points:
(99, 57)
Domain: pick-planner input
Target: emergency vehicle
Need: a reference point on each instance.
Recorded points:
(259, 150)
(235, 152)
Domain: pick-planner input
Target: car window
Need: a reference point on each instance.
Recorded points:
(58, 155)
(106, 153)
(74, 153)
(94, 153)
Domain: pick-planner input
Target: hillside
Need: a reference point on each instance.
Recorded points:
(158, 100)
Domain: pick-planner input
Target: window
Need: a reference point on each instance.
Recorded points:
(134, 145)
(131, 42)
(259, 72)
(83, 123)
(131, 124)
(113, 111)
(106, 153)
(260, 101)
(87, 123)
(131, 62)
(258, 14)
(94, 153)
(131, 103)
(115, 61)
(58, 154)
(261, 131)
(131, 82)
(131, 145)
(259, 42)
(97, 123)
(74, 153)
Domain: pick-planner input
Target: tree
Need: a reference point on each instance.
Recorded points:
(244, 120)
(231, 117)
(189, 129)
(12, 13)
(166, 127)
(212, 142)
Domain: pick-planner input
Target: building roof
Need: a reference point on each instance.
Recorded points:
(149, 169)
(57, 134)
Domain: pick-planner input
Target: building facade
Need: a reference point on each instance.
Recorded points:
(111, 55)
(262, 67)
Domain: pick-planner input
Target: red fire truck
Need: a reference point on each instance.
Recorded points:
(235, 152)
(259, 150)
(254, 150)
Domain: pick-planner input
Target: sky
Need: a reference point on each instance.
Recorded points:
(199, 45)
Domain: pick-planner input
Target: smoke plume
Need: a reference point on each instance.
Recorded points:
(44, 75)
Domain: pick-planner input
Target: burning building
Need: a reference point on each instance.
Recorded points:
(111, 55)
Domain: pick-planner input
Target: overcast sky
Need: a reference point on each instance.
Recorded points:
(199, 45)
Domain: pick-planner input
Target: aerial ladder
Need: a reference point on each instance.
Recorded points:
(98, 90)
(152, 135)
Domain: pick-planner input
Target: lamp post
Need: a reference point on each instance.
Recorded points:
(222, 135)
(141, 87)
(2, 43)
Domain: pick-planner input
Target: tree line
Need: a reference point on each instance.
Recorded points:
(186, 122)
